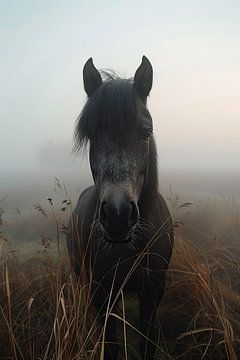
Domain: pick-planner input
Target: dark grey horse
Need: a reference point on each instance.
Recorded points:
(121, 228)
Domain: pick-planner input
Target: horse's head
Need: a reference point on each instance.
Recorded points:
(118, 126)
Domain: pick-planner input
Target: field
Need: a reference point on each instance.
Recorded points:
(45, 314)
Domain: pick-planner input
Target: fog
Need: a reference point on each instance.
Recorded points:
(193, 47)
(23, 189)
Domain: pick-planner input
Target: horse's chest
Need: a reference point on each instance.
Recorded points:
(129, 273)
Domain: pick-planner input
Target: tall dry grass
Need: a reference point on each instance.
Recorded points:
(46, 314)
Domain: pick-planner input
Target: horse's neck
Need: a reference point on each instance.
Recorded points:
(150, 191)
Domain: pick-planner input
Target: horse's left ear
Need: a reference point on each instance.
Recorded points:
(143, 78)
(91, 77)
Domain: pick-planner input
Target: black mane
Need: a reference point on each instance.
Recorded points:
(111, 108)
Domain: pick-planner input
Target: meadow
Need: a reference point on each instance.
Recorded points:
(46, 314)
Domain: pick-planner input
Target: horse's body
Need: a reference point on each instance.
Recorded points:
(121, 224)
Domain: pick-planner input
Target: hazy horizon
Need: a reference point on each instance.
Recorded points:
(193, 47)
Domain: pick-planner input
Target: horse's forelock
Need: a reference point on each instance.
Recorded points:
(111, 110)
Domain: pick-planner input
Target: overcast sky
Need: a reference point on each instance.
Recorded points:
(194, 47)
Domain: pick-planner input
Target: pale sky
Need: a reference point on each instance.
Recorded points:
(194, 47)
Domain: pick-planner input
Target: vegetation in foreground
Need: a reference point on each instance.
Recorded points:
(45, 314)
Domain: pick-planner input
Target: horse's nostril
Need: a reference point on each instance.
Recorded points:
(133, 214)
(103, 215)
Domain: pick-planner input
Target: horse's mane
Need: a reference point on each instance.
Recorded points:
(111, 108)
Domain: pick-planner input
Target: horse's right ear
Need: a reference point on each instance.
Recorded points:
(91, 77)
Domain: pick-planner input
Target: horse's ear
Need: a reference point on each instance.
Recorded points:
(91, 77)
(143, 78)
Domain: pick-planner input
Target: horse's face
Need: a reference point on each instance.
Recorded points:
(119, 162)
(119, 171)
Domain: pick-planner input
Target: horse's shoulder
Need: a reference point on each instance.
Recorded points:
(162, 203)
(85, 197)
(86, 206)
(165, 213)
(83, 214)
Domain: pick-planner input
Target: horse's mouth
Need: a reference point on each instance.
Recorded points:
(118, 240)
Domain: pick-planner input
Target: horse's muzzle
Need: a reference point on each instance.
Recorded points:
(118, 241)
(118, 217)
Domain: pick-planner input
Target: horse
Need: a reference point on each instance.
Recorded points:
(121, 227)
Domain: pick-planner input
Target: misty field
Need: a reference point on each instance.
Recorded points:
(46, 314)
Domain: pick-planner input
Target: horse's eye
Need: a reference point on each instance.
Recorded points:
(146, 134)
